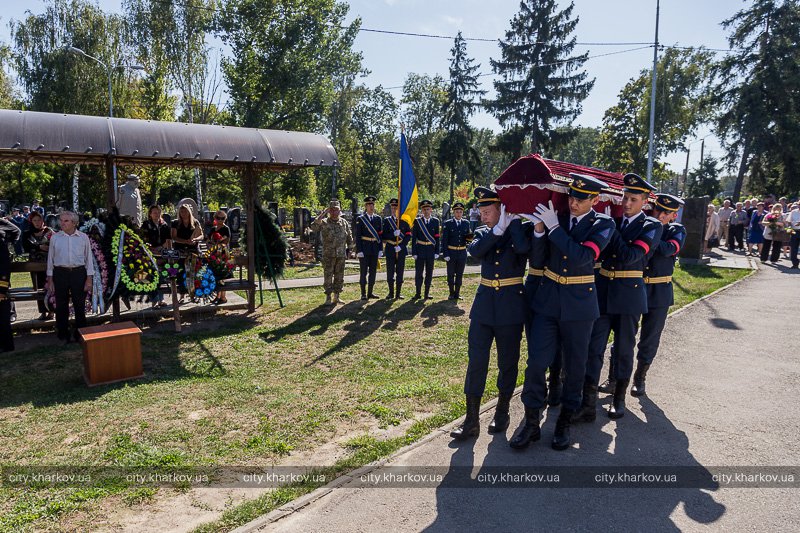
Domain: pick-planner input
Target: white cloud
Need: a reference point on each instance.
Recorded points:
(453, 21)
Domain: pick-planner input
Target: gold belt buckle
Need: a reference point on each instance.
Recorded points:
(562, 280)
(495, 283)
(612, 274)
(647, 279)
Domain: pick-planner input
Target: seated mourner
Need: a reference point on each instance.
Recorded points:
(36, 242)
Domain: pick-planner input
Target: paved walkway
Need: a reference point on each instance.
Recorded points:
(722, 392)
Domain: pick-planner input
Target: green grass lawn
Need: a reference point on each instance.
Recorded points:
(240, 390)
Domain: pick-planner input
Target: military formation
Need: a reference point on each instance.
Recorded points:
(388, 238)
(568, 280)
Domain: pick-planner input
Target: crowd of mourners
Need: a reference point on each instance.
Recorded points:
(768, 228)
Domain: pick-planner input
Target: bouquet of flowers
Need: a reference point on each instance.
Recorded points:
(772, 221)
(219, 258)
(137, 269)
(200, 281)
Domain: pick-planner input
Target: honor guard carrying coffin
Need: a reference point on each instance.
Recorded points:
(334, 233)
(658, 281)
(622, 297)
(368, 228)
(425, 247)
(498, 312)
(456, 233)
(565, 304)
(395, 239)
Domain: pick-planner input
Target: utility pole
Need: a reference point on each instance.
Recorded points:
(702, 148)
(653, 100)
(685, 170)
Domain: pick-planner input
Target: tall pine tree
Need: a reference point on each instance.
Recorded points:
(759, 96)
(456, 150)
(541, 83)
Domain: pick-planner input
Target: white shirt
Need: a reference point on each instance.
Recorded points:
(793, 219)
(70, 251)
(631, 219)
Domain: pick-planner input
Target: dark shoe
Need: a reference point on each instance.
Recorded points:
(399, 297)
(43, 316)
(417, 296)
(428, 293)
(363, 296)
(588, 410)
(638, 388)
(561, 439)
(371, 296)
(529, 432)
(554, 389)
(471, 426)
(617, 409)
(458, 293)
(390, 296)
(501, 418)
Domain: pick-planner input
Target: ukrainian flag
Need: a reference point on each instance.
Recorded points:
(407, 183)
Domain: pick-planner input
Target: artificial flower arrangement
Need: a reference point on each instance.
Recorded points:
(96, 231)
(200, 281)
(137, 269)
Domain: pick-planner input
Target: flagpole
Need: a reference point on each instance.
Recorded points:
(399, 199)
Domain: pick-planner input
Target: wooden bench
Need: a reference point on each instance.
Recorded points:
(27, 294)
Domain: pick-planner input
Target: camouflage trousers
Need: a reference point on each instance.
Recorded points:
(334, 274)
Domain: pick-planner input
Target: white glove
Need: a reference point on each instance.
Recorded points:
(360, 255)
(397, 249)
(436, 256)
(547, 215)
(397, 233)
(502, 222)
(532, 218)
(380, 254)
(414, 256)
(608, 210)
(447, 259)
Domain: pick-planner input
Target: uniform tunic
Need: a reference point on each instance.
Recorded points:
(395, 261)
(425, 249)
(498, 313)
(455, 234)
(368, 231)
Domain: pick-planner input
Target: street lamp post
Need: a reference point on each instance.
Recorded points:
(109, 69)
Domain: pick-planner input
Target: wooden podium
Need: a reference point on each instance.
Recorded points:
(111, 353)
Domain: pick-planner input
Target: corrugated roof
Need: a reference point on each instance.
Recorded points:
(35, 136)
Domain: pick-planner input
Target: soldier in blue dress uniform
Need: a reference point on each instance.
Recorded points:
(456, 233)
(565, 304)
(622, 297)
(368, 246)
(425, 247)
(499, 311)
(658, 280)
(395, 240)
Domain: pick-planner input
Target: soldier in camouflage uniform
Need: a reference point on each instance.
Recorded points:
(337, 241)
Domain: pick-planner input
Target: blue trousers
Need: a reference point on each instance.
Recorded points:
(395, 266)
(480, 338)
(455, 268)
(368, 269)
(424, 265)
(624, 328)
(652, 326)
(549, 339)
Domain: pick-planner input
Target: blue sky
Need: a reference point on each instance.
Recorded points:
(391, 57)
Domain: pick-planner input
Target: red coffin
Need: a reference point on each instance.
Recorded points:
(531, 180)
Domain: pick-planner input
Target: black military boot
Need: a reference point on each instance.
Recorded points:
(458, 293)
(471, 426)
(452, 292)
(554, 389)
(528, 433)
(417, 296)
(608, 385)
(363, 292)
(588, 410)
(428, 292)
(371, 294)
(399, 296)
(390, 296)
(561, 440)
(617, 409)
(501, 419)
(638, 388)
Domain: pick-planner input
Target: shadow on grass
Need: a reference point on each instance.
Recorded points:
(700, 271)
(54, 375)
(432, 312)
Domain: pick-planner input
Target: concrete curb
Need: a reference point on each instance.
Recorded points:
(303, 501)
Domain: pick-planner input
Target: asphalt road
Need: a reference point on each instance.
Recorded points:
(722, 392)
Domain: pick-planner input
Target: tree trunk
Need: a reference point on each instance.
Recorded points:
(737, 188)
(452, 185)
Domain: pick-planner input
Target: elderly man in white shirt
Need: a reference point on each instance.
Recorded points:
(793, 223)
(70, 270)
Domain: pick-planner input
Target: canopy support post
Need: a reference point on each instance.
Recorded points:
(111, 203)
(249, 202)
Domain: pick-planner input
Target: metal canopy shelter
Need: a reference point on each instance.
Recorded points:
(29, 136)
